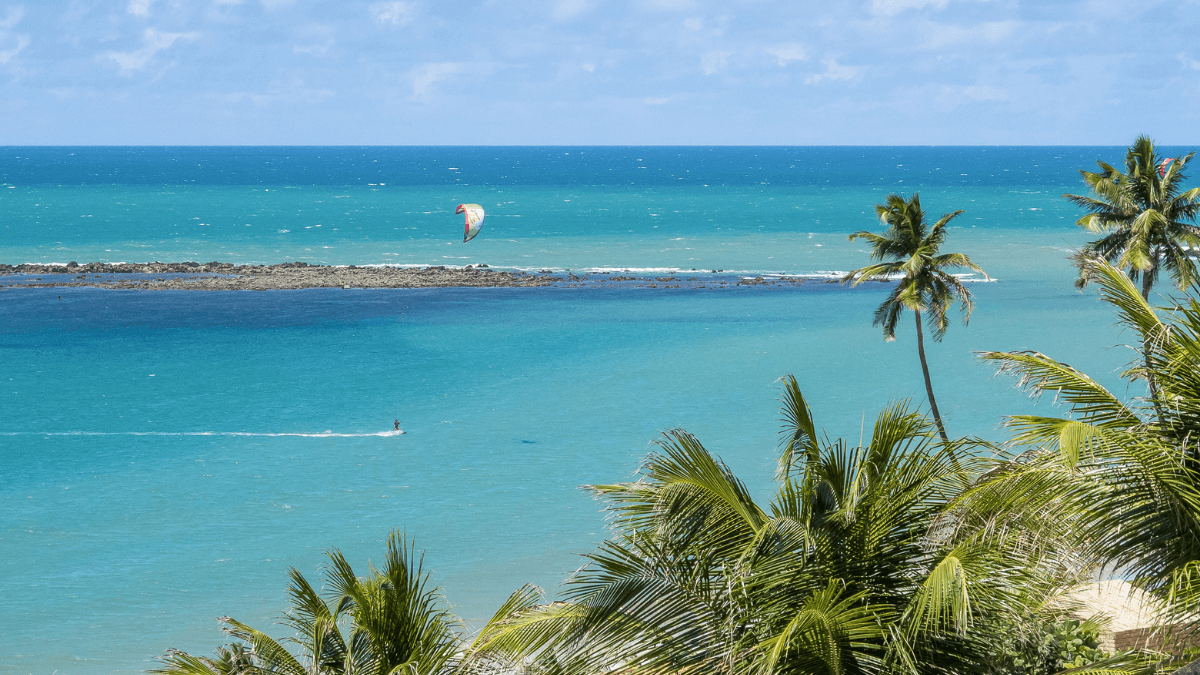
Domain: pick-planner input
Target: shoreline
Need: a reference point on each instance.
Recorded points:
(218, 276)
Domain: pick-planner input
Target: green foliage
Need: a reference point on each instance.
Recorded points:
(387, 623)
(1045, 648)
(909, 249)
(854, 567)
(1145, 214)
(1116, 480)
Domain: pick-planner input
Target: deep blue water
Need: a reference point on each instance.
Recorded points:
(168, 455)
(654, 166)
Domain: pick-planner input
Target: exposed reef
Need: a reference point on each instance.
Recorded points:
(219, 276)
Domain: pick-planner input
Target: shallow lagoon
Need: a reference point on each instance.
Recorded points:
(119, 545)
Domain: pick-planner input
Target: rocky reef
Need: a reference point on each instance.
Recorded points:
(218, 276)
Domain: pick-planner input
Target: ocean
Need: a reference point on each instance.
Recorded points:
(168, 455)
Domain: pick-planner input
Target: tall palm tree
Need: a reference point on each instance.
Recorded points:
(1147, 218)
(397, 624)
(853, 568)
(909, 251)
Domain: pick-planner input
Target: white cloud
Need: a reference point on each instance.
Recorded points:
(835, 72)
(1187, 62)
(938, 36)
(668, 5)
(272, 4)
(314, 39)
(893, 7)
(713, 63)
(701, 29)
(788, 53)
(153, 42)
(15, 14)
(139, 7)
(569, 9)
(426, 75)
(7, 54)
(947, 98)
(395, 13)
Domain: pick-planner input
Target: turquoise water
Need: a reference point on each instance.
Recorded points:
(168, 455)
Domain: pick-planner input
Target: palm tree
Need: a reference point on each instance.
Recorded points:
(1146, 214)
(397, 624)
(910, 252)
(1120, 478)
(855, 567)
(1147, 217)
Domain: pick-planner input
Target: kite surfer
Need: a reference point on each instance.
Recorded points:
(396, 424)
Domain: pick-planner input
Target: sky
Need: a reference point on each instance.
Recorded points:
(599, 72)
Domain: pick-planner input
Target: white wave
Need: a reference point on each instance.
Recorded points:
(630, 270)
(634, 270)
(323, 434)
(965, 277)
(820, 274)
(749, 274)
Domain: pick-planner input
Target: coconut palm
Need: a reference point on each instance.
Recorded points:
(1146, 214)
(1147, 217)
(397, 624)
(1120, 477)
(909, 250)
(853, 567)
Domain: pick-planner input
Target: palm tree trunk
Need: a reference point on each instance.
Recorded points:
(937, 417)
(1151, 381)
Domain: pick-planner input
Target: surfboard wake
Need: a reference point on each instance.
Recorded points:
(323, 434)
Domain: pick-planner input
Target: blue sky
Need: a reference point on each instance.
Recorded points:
(578, 72)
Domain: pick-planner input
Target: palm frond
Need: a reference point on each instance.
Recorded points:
(831, 632)
(798, 433)
(684, 492)
(1038, 374)
(269, 654)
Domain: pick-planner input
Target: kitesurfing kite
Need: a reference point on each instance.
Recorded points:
(472, 219)
(1162, 168)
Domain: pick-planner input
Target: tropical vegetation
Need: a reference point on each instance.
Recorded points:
(1052, 647)
(1145, 215)
(1122, 473)
(390, 622)
(905, 553)
(870, 558)
(1147, 220)
(909, 250)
